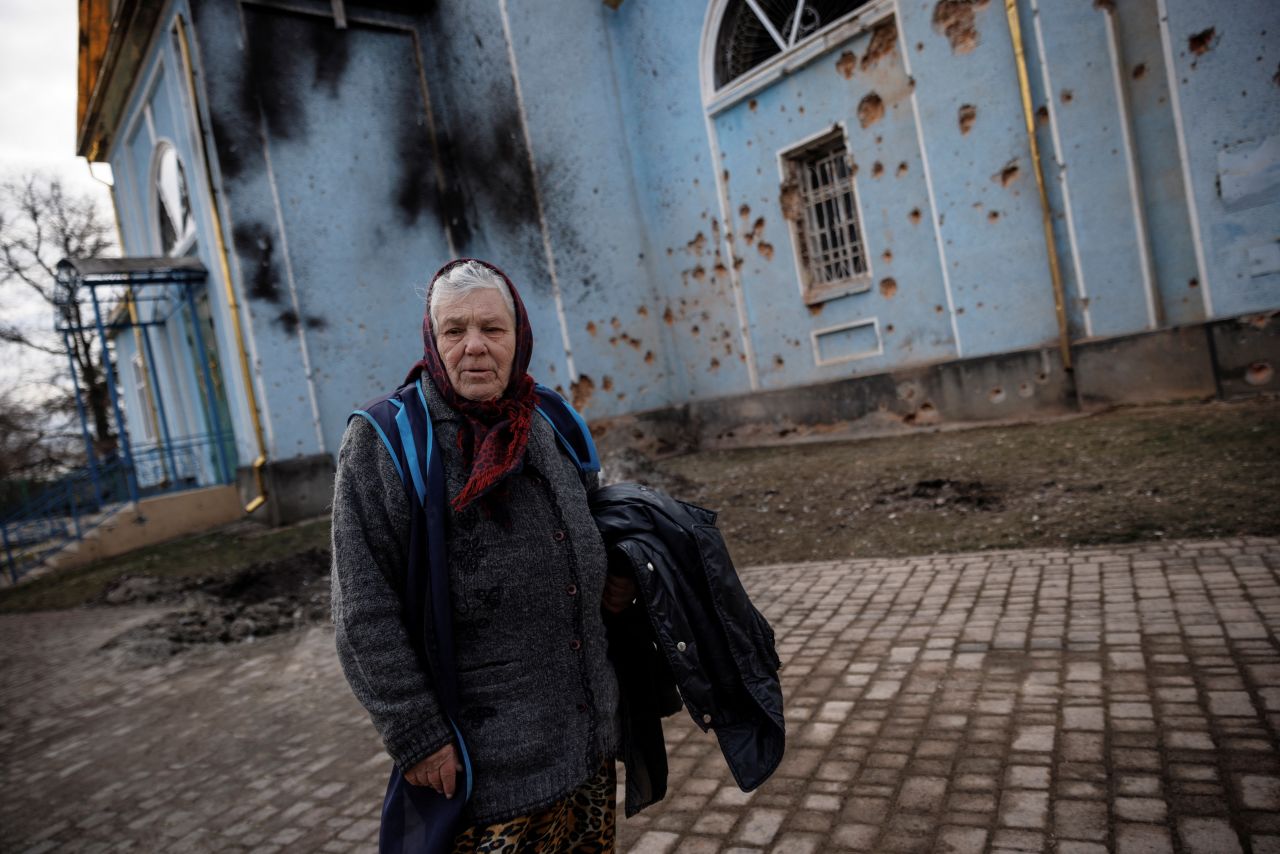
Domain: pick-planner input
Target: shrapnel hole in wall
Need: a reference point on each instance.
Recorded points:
(870, 109)
(884, 40)
(955, 20)
(1202, 42)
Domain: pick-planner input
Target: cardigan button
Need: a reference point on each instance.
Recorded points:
(680, 646)
(571, 589)
(649, 566)
(582, 707)
(706, 719)
(558, 536)
(575, 644)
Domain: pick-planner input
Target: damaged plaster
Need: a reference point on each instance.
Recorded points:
(955, 20)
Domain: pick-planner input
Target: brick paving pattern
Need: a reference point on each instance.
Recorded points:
(1111, 699)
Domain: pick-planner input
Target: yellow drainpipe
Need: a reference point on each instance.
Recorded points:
(233, 305)
(1046, 214)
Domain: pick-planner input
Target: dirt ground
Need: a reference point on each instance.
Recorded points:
(1184, 472)
(185, 563)
(260, 600)
(1146, 473)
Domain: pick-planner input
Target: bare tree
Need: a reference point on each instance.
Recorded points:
(40, 224)
(36, 441)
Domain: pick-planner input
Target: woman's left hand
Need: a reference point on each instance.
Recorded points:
(619, 592)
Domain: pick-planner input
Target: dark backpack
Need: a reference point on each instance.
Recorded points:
(418, 819)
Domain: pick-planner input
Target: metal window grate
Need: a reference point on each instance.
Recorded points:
(829, 230)
(754, 31)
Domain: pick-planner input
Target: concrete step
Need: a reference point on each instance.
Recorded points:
(151, 521)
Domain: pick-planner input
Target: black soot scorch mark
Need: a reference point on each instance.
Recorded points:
(230, 142)
(414, 7)
(267, 79)
(416, 188)
(270, 82)
(490, 170)
(282, 47)
(332, 52)
(287, 320)
(256, 251)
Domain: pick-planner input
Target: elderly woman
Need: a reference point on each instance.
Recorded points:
(536, 693)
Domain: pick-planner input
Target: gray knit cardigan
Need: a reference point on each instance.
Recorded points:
(538, 695)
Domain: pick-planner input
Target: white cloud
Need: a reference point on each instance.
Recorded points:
(38, 57)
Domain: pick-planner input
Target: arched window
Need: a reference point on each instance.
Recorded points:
(754, 31)
(176, 228)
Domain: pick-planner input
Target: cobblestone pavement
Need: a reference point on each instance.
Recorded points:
(1113, 699)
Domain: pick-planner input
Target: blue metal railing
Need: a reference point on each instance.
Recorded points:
(184, 463)
(67, 510)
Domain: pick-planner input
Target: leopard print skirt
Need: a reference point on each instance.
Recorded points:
(582, 821)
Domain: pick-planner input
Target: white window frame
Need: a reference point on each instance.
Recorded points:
(187, 241)
(878, 350)
(810, 292)
(794, 56)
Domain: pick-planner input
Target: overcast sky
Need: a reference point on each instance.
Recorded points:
(38, 90)
(37, 133)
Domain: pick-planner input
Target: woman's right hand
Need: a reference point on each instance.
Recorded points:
(439, 770)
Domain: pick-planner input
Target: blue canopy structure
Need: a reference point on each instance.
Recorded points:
(105, 297)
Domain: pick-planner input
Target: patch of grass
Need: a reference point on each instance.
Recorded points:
(224, 551)
(1133, 474)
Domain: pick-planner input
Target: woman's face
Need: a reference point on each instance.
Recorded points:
(476, 337)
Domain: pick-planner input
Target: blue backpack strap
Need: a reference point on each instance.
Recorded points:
(404, 427)
(570, 428)
(381, 413)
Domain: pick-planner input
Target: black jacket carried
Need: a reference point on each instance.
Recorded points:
(697, 632)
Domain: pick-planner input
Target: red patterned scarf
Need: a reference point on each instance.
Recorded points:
(494, 433)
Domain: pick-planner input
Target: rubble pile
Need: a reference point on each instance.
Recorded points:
(263, 599)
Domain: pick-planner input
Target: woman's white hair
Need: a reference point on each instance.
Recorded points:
(461, 280)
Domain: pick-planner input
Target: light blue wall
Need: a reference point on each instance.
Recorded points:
(1229, 103)
(571, 144)
(599, 241)
(1111, 284)
(752, 134)
(654, 51)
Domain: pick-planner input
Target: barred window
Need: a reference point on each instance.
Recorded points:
(818, 198)
(754, 31)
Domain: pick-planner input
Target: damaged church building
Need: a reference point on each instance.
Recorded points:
(730, 220)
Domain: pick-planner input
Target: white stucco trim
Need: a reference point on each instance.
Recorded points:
(1180, 131)
(786, 62)
(151, 122)
(437, 164)
(1131, 170)
(873, 322)
(928, 184)
(303, 347)
(257, 375)
(726, 247)
(1063, 180)
(144, 240)
(537, 196)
